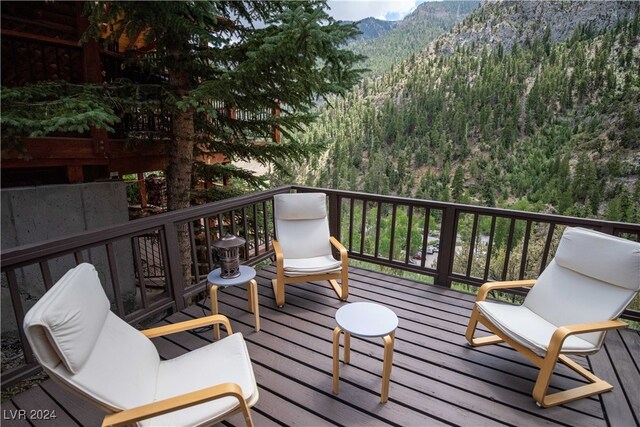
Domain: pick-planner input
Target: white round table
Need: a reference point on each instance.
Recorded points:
(247, 275)
(367, 320)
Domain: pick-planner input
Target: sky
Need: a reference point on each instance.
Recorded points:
(355, 10)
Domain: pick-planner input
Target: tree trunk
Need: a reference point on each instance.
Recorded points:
(180, 161)
(180, 168)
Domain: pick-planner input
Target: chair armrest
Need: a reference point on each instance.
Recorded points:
(187, 325)
(278, 252)
(340, 247)
(173, 404)
(491, 286)
(563, 332)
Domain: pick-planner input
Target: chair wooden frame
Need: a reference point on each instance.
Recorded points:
(553, 354)
(341, 290)
(182, 401)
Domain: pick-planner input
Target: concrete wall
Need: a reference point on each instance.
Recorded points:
(35, 214)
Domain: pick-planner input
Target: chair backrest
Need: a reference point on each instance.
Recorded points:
(592, 278)
(302, 226)
(82, 344)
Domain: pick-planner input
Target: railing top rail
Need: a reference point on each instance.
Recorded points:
(509, 213)
(14, 257)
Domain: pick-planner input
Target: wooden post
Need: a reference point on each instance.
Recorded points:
(447, 246)
(75, 175)
(142, 185)
(92, 73)
(334, 216)
(276, 132)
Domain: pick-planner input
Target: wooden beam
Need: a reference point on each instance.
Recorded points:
(53, 148)
(39, 38)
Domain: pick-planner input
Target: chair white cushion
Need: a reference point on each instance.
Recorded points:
(121, 371)
(592, 278)
(607, 258)
(300, 206)
(565, 297)
(527, 328)
(303, 238)
(581, 284)
(225, 361)
(66, 323)
(302, 226)
(315, 265)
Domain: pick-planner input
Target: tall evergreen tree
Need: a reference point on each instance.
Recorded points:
(250, 56)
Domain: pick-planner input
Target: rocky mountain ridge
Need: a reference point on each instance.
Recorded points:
(398, 40)
(509, 22)
(372, 28)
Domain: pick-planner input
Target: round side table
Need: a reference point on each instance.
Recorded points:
(366, 320)
(247, 275)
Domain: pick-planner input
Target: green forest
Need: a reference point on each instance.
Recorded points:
(411, 34)
(550, 127)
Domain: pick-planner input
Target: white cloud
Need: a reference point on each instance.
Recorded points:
(355, 10)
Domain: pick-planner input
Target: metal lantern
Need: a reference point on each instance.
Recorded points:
(229, 255)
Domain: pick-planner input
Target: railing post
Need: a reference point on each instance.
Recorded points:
(334, 216)
(447, 246)
(174, 265)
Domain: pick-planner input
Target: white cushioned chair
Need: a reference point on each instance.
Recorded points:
(303, 245)
(576, 299)
(88, 349)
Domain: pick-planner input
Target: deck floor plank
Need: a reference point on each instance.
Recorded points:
(437, 378)
(447, 344)
(621, 360)
(615, 403)
(289, 355)
(438, 339)
(631, 339)
(443, 378)
(37, 403)
(83, 412)
(12, 416)
(304, 353)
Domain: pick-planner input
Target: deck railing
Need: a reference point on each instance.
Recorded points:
(450, 243)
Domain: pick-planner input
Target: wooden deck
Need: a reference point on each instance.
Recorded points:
(437, 379)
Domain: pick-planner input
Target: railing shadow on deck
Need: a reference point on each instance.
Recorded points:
(450, 243)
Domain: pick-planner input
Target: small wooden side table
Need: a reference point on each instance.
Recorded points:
(366, 320)
(247, 275)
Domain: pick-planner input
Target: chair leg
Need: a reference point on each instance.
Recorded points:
(386, 366)
(254, 304)
(471, 329)
(213, 294)
(336, 359)
(342, 290)
(345, 283)
(544, 378)
(347, 348)
(278, 291)
(246, 412)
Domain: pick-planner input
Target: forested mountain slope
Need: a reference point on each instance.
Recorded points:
(410, 35)
(372, 28)
(545, 116)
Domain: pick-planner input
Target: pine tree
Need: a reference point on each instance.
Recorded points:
(457, 190)
(214, 52)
